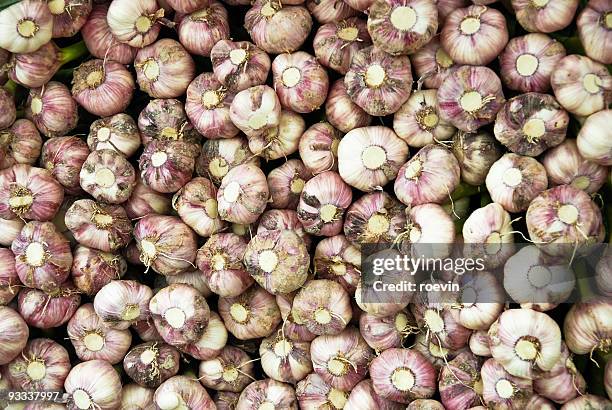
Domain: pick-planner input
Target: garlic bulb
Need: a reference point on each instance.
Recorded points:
(319, 148)
(231, 371)
(69, 16)
(25, 26)
(182, 392)
(14, 334)
(314, 393)
(93, 384)
(187, 6)
(336, 43)
(121, 303)
(243, 194)
(323, 306)
(134, 22)
(118, 132)
(64, 157)
(329, 11)
(286, 184)
(594, 25)
(503, 390)
(108, 176)
(563, 382)
(199, 31)
(211, 343)
(373, 218)
(460, 383)
(594, 141)
(37, 68)
(196, 204)
(92, 269)
(363, 396)
(219, 156)
(52, 109)
(544, 16)
(166, 166)
(135, 396)
(165, 119)
(586, 326)
(285, 360)
(476, 152)
(341, 111)
(432, 64)
(9, 111)
(280, 141)
(48, 309)
(239, 65)
(267, 393)
(145, 201)
(335, 258)
(255, 110)
(20, 144)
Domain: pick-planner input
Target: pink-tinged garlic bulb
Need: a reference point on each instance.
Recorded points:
(587, 401)
(594, 141)
(165, 243)
(335, 258)
(432, 64)
(48, 309)
(166, 120)
(281, 219)
(402, 375)
(595, 30)
(267, 394)
(35, 69)
(199, 31)
(92, 269)
(196, 204)
(285, 360)
(363, 396)
(280, 141)
(565, 165)
(341, 111)
(318, 148)
(14, 334)
(276, 28)
(425, 404)
(250, 315)
(314, 393)
(64, 157)
(586, 326)
(418, 123)
(121, 303)
(9, 111)
(336, 43)
(219, 156)
(323, 306)
(243, 194)
(323, 203)
(525, 342)
(231, 371)
(194, 278)
(286, 184)
(166, 166)
(69, 16)
(98, 225)
(42, 256)
(424, 225)
(211, 343)
(208, 107)
(29, 193)
(481, 299)
(108, 176)
(439, 321)
(531, 123)
(278, 260)
(42, 365)
(300, 82)
(474, 35)
(164, 69)
(479, 343)
(220, 260)
(118, 132)
(330, 11)
(460, 383)
(150, 364)
(135, 23)
(93, 384)
(187, 6)
(563, 219)
(10, 230)
(429, 176)
(402, 27)
(101, 42)
(603, 274)
(475, 152)
(8, 277)
(341, 360)
(25, 26)
(502, 390)
(255, 110)
(182, 392)
(239, 65)
(544, 16)
(563, 382)
(291, 329)
(361, 5)
(515, 180)
(52, 109)
(136, 397)
(381, 155)
(582, 86)
(382, 304)
(378, 82)
(528, 61)
(470, 97)
(103, 87)
(145, 201)
(373, 218)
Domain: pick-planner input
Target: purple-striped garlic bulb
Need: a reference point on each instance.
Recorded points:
(239, 65)
(280, 141)
(363, 395)
(527, 62)
(314, 393)
(200, 30)
(318, 148)
(460, 383)
(196, 204)
(122, 303)
(69, 16)
(470, 97)
(8, 277)
(243, 194)
(255, 110)
(285, 360)
(103, 88)
(150, 364)
(48, 309)
(118, 132)
(64, 157)
(563, 382)
(25, 26)
(165, 119)
(145, 201)
(335, 258)
(101, 42)
(93, 384)
(378, 82)
(323, 306)
(595, 30)
(286, 184)
(211, 343)
(9, 111)
(267, 393)
(336, 43)
(166, 166)
(427, 224)
(373, 218)
(432, 63)
(52, 109)
(280, 219)
(341, 111)
(231, 371)
(14, 333)
(330, 11)
(135, 23)
(476, 152)
(194, 278)
(500, 388)
(543, 16)
(35, 69)
(382, 333)
(92, 269)
(594, 141)
(182, 391)
(219, 156)
(108, 176)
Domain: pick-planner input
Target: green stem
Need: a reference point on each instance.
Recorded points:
(464, 190)
(584, 283)
(11, 87)
(73, 51)
(6, 3)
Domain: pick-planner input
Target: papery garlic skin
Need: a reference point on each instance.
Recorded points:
(25, 26)
(460, 384)
(134, 396)
(281, 219)
(118, 132)
(64, 157)
(544, 16)
(364, 396)
(432, 63)
(323, 306)
(145, 201)
(330, 11)
(52, 109)
(219, 156)
(94, 383)
(586, 401)
(402, 27)
(20, 144)
(595, 140)
(286, 184)
(193, 278)
(314, 393)
(165, 119)
(267, 393)
(285, 360)
(69, 16)
(8, 277)
(427, 224)
(565, 165)
(586, 326)
(582, 86)
(378, 82)
(200, 30)
(121, 303)
(14, 333)
(527, 62)
(374, 218)
(563, 382)
(255, 110)
(335, 258)
(239, 65)
(207, 107)
(470, 97)
(318, 148)
(341, 111)
(134, 22)
(211, 343)
(182, 391)
(164, 69)
(166, 166)
(196, 204)
(280, 141)
(37, 68)
(108, 176)
(10, 230)
(531, 123)
(594, 30)
(48, 309)
(243, 194)
(474, 35)
(101, 42)
(475, 152)
(92, 269)
(187, 6)
(230, 371)
(514, 181)
(336, 43)
(502, 389)
(9, 111)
